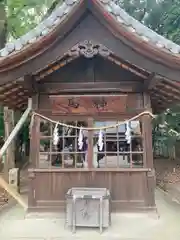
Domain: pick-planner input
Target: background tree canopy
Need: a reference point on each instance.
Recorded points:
(19, 16)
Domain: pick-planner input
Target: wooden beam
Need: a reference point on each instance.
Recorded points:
(29, 83)
(123, 86)
(152, 81)
(100, 116)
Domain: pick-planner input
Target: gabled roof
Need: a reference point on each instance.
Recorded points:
(16, 57)
(61, 13)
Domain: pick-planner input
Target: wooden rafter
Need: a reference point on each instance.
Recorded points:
(53, 67)
(164, 92)
(128, 67)
(169, 89)
(11, 93)
(152, 81)
(10, 89)
(157, 97)
(171, 83)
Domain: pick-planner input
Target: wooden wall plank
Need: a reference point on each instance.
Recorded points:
(128, 189)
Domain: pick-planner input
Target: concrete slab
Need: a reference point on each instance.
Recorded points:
(16, 225)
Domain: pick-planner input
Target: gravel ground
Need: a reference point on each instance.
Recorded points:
(167, 172)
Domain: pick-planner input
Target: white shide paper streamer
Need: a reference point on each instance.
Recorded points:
(55, 135)
(100, 140)
(128, 132)
(80, 139)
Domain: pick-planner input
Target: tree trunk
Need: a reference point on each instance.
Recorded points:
(3, 25)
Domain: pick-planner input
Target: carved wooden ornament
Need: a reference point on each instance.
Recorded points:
(89, 49)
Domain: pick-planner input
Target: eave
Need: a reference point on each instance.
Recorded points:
(123, 26)
(164, 90)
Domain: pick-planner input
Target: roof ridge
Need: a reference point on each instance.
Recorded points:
(130, 24)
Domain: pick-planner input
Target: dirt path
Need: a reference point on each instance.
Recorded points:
(15, 225)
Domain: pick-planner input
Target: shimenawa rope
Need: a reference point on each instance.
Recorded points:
(93, 128)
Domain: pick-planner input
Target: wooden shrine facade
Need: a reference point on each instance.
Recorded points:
(125, 169)
(91, 65)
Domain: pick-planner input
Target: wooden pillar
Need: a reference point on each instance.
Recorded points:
(34, 155)
(34, 135)
(35, 142)
(147, 133)
(148, 151)
(90, 143)
(10, 153)
(147, 141)
(33, 129)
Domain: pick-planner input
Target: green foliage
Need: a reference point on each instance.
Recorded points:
(164, 18)
(139, 9)
(24, 15)
(161, 16)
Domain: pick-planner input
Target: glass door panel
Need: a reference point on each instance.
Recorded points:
(116, 150)
(67, 153)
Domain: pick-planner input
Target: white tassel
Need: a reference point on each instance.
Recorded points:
(80, 139)
(100, 140)
(128, 133)
(55, 135)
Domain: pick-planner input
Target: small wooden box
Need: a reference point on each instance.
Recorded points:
(88, 207)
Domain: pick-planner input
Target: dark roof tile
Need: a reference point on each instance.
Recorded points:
(129, 23)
